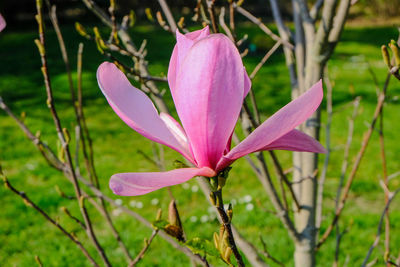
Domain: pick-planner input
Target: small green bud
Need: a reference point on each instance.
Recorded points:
(40, 47)
(159, 215)
(148, 14)
(385, 55)
(396, 53)
(173, 215)
(216, 240)
(67, 136)
(132, 18)
(227, 254)
(229, 212)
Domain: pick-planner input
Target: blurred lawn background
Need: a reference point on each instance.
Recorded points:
(24, 233)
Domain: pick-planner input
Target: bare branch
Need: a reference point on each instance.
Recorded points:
(379, 230)
(29, 202)
(167, 12)
(262, 26)
(367, 136)
(144, 249)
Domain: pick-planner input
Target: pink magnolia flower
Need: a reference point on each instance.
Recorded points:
(2, 23)
(208, 83)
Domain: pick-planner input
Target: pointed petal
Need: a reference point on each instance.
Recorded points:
(209, 96)
(135, 108)
(140, 183)
(296, 140)
(279, 124)
(2, 23)
(183, 43)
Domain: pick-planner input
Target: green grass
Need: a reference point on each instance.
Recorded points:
(24, 233)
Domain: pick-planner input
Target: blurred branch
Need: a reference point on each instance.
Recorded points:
(392, 195)
(224, 26)
(144, 249)
(262, 26)
(211, 12)
(47, 153)
(62, 133)
(264, 59)
(345, 163)
(321, 182)
(268, 255)
(30, 203)
(226, 219)
(167, 12)
(367, 136)
(247, 248)
(130, 47)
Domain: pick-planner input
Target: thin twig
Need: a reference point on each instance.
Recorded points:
(48, 154)
(379, 230)
(167, 12)
(216, 194)
(30, 203)
(345, 164)
(268, 255)
(211, 12)
(223, 24)
(262, 26)
(264, 59)
(144, 249)
(62, 133)
(321, 182)
(367, 136)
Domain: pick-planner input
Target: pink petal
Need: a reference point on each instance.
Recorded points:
(209, 95)
(140, 183)
(2, 23)
(179, 133)
(247, 83)
(279, 124)
(296, 140)
(135, 108)
(183, 43)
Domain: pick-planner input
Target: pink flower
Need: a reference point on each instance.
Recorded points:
(2, 23)
(208, 83)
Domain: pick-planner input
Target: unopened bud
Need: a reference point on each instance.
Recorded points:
(81, 30)
(216, 240)
(159, 215)
(229, 212)
(81, 201)
(27, 203)
(40, 47)
(23, 116)
(181, 22)
(67, 136)
(160, 19)
(173, 215)
(385, 55)
(74, 236)
(396, 52)
(132, 18)
(148, 14)
(227, 254)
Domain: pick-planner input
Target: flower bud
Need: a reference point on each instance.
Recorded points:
(173, 215)
(385, 55)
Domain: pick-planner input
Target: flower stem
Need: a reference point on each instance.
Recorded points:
(217, 184)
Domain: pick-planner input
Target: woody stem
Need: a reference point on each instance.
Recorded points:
(226, 221)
